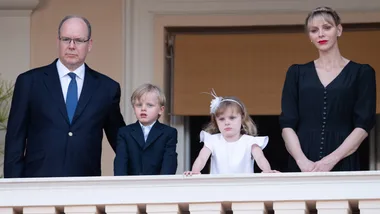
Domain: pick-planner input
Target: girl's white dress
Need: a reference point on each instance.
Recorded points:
(231, 157)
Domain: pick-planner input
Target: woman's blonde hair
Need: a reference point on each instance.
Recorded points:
(328, 14)
(248, 127)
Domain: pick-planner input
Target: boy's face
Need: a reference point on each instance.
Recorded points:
(148, 108)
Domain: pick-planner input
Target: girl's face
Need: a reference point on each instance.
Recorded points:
(323, 34)
(229, 124)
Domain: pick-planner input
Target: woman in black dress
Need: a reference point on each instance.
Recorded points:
(329, 104)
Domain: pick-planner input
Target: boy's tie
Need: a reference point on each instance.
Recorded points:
(72, 96)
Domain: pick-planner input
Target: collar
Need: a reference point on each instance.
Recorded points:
(149, 127)
(62, 70)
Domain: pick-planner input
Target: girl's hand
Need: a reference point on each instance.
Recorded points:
(190, 173)
(270, 171)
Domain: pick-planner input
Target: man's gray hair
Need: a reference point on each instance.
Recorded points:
(75, 16)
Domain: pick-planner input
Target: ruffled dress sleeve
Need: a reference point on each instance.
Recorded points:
(208, 139)
(261, 141)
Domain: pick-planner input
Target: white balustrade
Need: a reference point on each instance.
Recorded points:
(283, 193)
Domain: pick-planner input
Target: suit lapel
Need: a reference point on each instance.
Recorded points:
(137, 134)
(90, 84)
(154, 133)
(53, 84)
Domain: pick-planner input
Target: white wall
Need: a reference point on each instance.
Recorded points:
(14, 44)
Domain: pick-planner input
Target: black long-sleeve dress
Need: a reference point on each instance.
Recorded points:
(323, 117)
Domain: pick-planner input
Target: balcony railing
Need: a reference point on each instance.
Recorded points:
(284, 193)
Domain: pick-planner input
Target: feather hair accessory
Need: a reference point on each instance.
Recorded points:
(217, 100)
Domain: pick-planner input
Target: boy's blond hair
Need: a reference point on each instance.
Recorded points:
(146, 88)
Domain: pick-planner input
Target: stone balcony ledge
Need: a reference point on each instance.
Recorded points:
(71, 191)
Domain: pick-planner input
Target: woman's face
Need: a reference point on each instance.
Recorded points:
(323, 33)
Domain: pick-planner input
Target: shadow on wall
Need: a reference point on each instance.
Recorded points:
(42, 4)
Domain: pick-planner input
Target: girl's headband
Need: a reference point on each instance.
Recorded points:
(217, 100)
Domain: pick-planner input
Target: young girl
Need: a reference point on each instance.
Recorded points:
(229, 138)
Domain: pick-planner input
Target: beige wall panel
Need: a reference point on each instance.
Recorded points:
(251, 66)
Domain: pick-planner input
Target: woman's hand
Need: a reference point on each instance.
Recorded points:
(324, 165)
(306, 165)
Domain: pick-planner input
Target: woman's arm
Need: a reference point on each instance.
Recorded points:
(293, 146)
(349, 146)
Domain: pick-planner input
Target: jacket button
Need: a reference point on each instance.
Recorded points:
(70, 134)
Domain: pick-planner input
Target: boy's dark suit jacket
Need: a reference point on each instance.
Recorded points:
(157, 156)
(41, 142)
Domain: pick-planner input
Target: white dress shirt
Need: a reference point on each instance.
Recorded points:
(146, 130)
(66, 79)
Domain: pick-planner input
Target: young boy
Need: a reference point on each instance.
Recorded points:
(146, 147)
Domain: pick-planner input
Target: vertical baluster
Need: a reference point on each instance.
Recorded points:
(40, 210)
(333, 207)
(162, 209)
(7, 210)
(81, 210)
(249, 208)
(206, 208)
(291, 207)
(122, 209)
(369, 206)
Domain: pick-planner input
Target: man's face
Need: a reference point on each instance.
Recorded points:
(73, 43)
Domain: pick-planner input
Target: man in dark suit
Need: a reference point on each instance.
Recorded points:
(59, 111)
(146, 147)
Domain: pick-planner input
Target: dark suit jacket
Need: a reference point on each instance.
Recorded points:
(156, 156)
(41, 142)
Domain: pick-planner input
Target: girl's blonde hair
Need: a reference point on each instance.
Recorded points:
(248, 127)
(328, 14)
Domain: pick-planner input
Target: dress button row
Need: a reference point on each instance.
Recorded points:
(323, 124)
